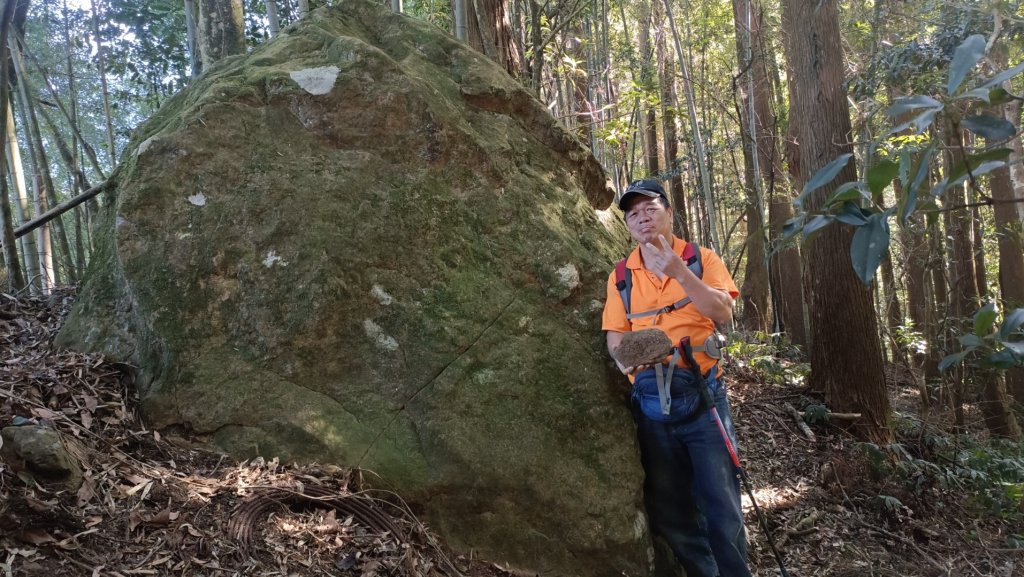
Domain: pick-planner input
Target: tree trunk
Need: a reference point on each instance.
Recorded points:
(42, 169)
(29, 246)
(963, 282)
(273, 20)
(15, 276)
(221, 30)
(494, 35)
(461, 18)
(303, 8)
(754, 292)
(195, 62)
(101, 62)
(667, 80)
(893, 314)
(1010, 237)
(995, 405)
(846, 357)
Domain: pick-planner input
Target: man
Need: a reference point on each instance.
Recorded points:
(691, 489)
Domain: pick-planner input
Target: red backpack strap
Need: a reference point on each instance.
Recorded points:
(623, 282)
(694, 259)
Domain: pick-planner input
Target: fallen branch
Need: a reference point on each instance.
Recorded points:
(905, 541)
(59, 210)
(844, 416)
(800, 421)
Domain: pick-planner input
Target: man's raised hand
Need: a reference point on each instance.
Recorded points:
(662, 259)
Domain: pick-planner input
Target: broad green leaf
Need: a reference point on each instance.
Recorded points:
(880, 175)
(847, 191)
(852, 214)
(818, 222)
(989, 127)
(984, 320)
(999, 95)
(908, 204)
(1016, 346)
(971, 340)
(1011, 324)
(924, 120)
(908, 103)
(792, 227)
(1004, 359)
(870, 243)
(979, 93)
(954, 359)
(975, 161)
(964, 59)
(826, 173)
(1003, 76)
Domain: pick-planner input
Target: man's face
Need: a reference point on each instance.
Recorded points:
(646, 218)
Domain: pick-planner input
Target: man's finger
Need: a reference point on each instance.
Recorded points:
(665, 244)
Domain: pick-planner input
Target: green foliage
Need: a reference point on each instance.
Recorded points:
(955, 105)
(767, 358)
(990, 348)
(990, 474)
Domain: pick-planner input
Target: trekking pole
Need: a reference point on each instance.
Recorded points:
(740, 471)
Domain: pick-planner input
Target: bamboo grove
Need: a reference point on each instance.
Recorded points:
(856, 164)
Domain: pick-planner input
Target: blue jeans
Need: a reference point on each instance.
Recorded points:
(692, 491)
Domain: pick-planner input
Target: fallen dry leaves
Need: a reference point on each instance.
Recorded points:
(148, 506)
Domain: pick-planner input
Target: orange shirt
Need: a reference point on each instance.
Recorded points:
(650, 293)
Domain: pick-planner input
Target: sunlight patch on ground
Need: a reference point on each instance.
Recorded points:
(769, 498)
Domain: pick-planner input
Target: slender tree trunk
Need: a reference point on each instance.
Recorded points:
(273, 21)
(848, 369)
(15, 276)
(667, 79)
(42, 169)
(1010, 236)
(494, 35)
(893, 314)
(978, 239)
(195, 62)
(995, 405)
(29, 246)
(42, 234)
(100, 61)
(221, 30)
(915, 251)
(303, 8)
(938, 265)
(754, 292)
(461, 17)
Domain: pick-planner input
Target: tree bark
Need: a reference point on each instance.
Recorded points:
(195, 62)
(273, 20)
(101, 63)
(667, 80)
(495, 36)
(846, 357)
(754, 292)
(893, 314)
(221, 30)
(29, 246)
(15, 275)
(1010, 237)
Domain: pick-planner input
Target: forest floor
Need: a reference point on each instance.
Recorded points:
(151, 505)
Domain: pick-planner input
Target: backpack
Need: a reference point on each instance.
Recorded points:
(624, 282)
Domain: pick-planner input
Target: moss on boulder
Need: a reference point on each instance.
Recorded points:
(365, 244)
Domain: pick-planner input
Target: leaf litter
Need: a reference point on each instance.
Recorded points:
(155, 505)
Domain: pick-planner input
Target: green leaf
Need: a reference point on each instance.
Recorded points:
(1003, 76)
(818, 222)
(847, 191)
(880, 175)
(870, 243)
(989, 127)
(907, 103)
(909, 201)
(792, 227)
(984, 320)
(826, 173)
(979, 93)
(971, 340)
(852, 214)
(1011, 324)
(974, 161)
(999, 95)
(1002, 360)
(954, 359)
(964, 59)
(1016, 346)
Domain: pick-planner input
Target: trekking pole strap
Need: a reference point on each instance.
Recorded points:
(665, 383)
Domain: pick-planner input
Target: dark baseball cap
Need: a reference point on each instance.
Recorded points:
(650, 188)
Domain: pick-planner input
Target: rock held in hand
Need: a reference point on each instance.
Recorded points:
(643, 347)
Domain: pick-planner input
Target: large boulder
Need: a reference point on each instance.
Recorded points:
(365, 244)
